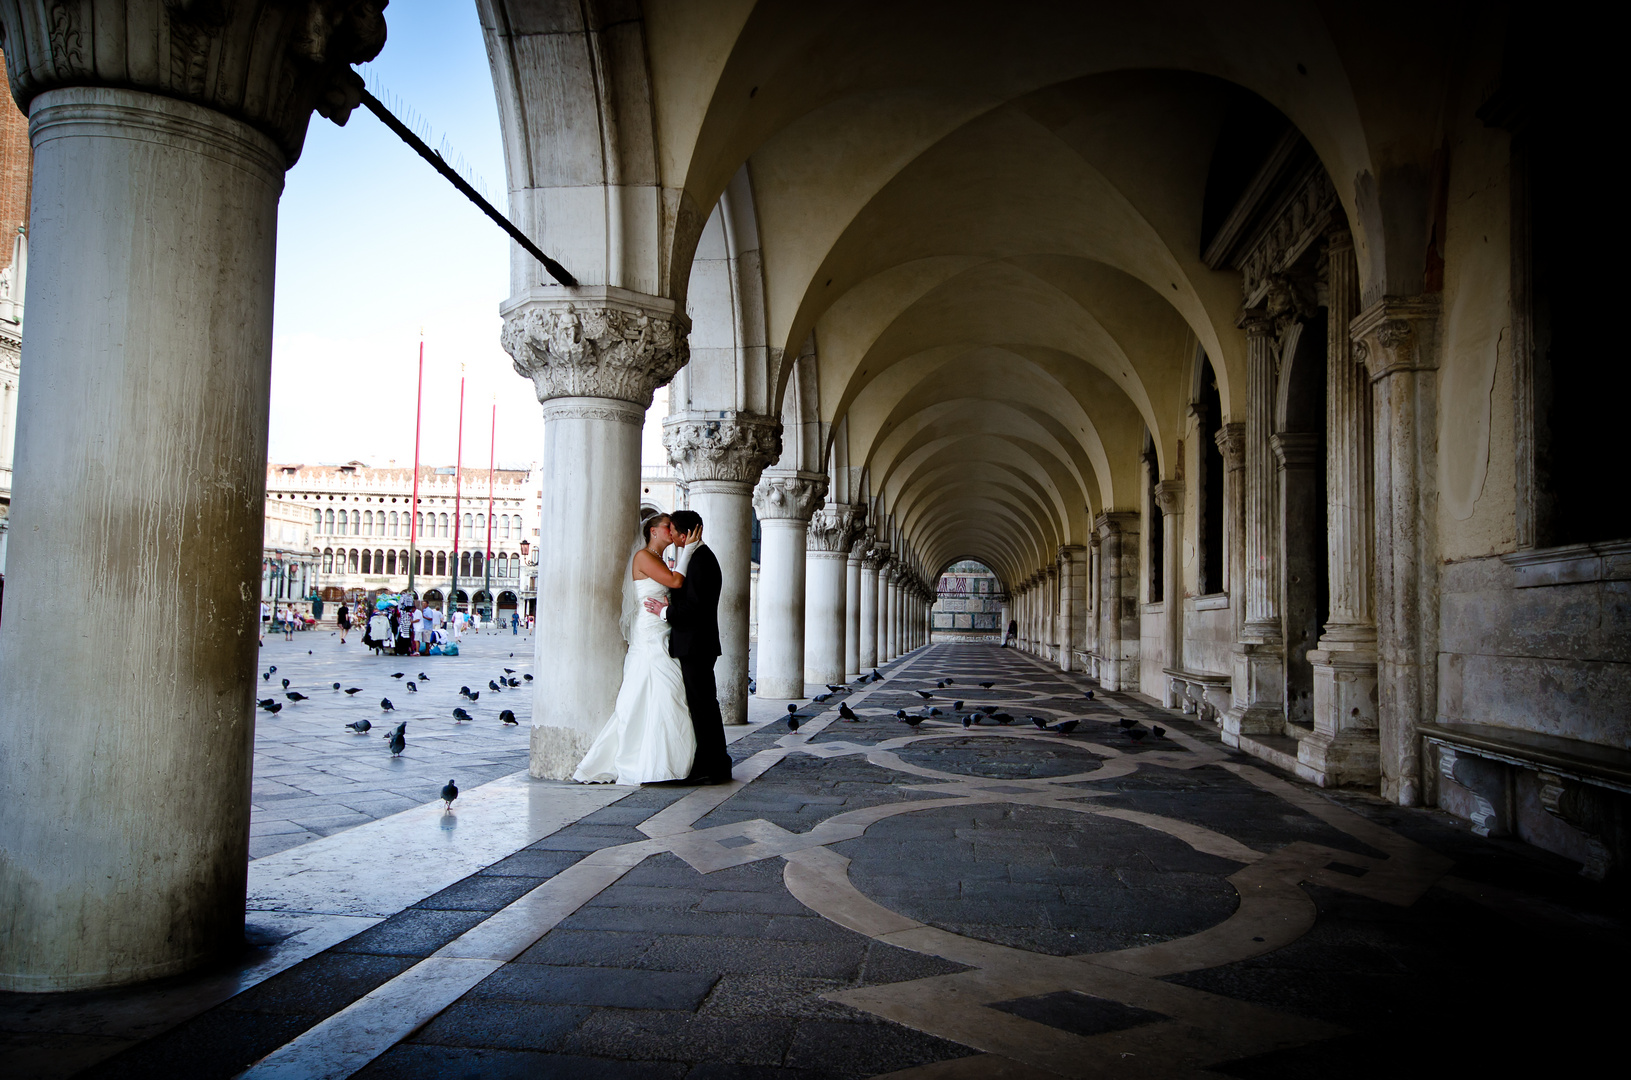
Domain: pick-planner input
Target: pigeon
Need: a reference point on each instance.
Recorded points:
(509, 671)
(988, 709)
(957, 706)
(507, 716)
(285, 684)
(846, 712)
(461, 716)
(753, 687)
(912, 721)
(308, 652)
(1003, 718)
(512, 656)
(792, 707)
(877, 676)
(924, 694)
(423, 677)
(475, 695)
(934, 712)
(512, 683)
(968, 720)
(529, 679)
(398, 738)
(820, 698)
(900, 714)
(1088, 694)
(493, 686)
(413, 687)
(1136, 734)
(275, 708)
(941, 684)
(988, 685)
(398, 675)
(949, 682)
(385, 703)
(360, 726)
(1126, 723)
(266, 702)
(336, 686)
(271, 669)
(837, 688)
(352, 690)
(295, 695)
(1064, 727)
(266, 676)
(1038, 721)
(449, 793)
(792, 721)
(464, 691)
(1158, 731)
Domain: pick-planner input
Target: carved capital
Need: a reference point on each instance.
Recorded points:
(1169, 496)
(1231, 440)
(864, 538)
(268, 65)
(602, 342)
(833, 527)
(722, 446)
(1397, 334)
(1296, 449)
(789, 496)
(1114, 522)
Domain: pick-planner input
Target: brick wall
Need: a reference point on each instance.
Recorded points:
(16, 173)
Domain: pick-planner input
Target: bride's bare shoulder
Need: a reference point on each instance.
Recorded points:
(644, 563)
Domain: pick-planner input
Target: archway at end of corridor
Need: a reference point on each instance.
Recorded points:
(970, 604)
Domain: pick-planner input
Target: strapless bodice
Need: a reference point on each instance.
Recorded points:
(646, 588)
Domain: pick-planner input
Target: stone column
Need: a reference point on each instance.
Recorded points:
(1259, 675)
(720, 457)
(1231, 440)
(1343, 747)
(595, 355)
(140, 472)
(1169, 500)
(1397, 339)
(852, 607)
(1090, 619)
(1072, 603)
(784, 503)
(886, 569)
(870, 565)
(1118, 610)
(895, 584)
(826, 562)
(1301, 515)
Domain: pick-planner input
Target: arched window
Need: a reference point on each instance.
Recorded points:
(481, 523)
(466, 522)
(379, 556)
(1209, 421)
(441, 563)
(402, 559)
(390, 562)
(356, 523)
(353, 560)
(475, 565)
(504, 523)
(464, 562)
(503, 564)
(393, 524)
(444, 525)
(368, 523)
(419, 523)
(328, 560)
(317, 524)
(368, 562)
(329, 522)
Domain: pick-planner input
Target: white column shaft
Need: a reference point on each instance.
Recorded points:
(781, 608)
(868, 658)
(824, 619)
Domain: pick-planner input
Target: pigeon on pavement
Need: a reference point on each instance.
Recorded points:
(924, 694)
(398, 674)
(360, 726)
(507, 716)
(846, 712)
(398, 738)
(1064, 727)
(461, 716)
(352, 689)
(413, 687)
(450, 791)
(266, 702)
(988, 685)
(295, 695)
(385, 703)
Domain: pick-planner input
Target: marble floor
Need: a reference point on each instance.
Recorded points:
(867, 899)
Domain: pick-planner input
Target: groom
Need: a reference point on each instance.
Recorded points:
(693, 614)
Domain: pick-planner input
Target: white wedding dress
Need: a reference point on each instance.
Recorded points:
(649, 736)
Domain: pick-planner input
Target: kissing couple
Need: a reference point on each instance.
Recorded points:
(666, 725)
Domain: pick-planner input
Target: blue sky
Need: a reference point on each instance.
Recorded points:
(374, 246)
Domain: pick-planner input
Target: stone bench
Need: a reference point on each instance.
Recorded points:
(1201, 694)
(1506, 781)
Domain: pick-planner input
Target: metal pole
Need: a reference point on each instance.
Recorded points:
(492, 445)
(458, 505)
(413, 510)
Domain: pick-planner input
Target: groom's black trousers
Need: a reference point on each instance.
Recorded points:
(713, 761)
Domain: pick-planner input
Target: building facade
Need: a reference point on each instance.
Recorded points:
(969, 604)
(364, 540)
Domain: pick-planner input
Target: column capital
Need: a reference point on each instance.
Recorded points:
(268, 65)
(788, 496)
(1257, 322)
(735, 446)
(833, 527)
(595, 341)
(861, 543)
(1397, 334)
(1169, 496)
(1070, 551)
(1231, 440)
(1112, 522)
(1296, 449)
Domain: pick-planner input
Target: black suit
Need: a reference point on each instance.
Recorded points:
(693, 615)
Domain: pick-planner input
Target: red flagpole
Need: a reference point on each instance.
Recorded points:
(413, 509)
(458, 505)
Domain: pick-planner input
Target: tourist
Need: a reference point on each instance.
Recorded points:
(266, 617)
(421, 623)
(1013, 634)
(288, 622)
(515, 624)
(379, 632)
(343, 616)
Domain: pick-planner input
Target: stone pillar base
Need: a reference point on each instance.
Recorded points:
(1259, 677)
(556, 752)
(1346, 758)
(1343, 748)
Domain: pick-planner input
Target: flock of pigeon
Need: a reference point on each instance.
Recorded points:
(978, 716)
(397, 738)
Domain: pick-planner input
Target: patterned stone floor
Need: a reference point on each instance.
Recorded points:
(952, 901)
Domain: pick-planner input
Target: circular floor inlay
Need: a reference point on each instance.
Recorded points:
(1042, 879)
(1001, 759)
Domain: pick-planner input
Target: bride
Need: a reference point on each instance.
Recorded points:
(649, 736)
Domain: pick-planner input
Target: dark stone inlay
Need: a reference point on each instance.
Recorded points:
(1001, 759)
(1079, 1013)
